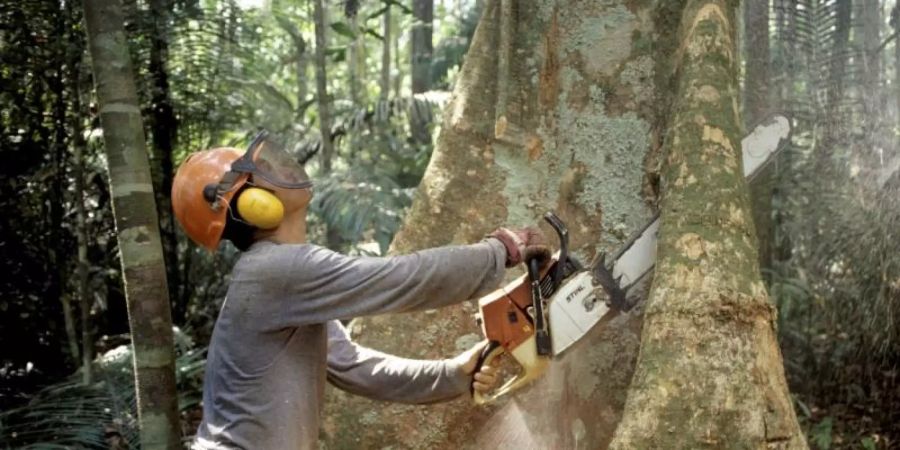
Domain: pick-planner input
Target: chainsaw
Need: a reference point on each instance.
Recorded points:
(544, 312)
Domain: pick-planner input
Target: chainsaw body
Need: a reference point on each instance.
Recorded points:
(508, 324)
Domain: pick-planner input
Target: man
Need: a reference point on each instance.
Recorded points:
(278, 336)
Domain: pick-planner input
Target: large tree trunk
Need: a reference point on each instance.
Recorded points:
(556, 107)
(559, 106)
(137, 227)
(709, 372)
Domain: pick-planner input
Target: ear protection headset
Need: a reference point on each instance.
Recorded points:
(260, 208)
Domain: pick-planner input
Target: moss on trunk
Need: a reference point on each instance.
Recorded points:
(709, 372)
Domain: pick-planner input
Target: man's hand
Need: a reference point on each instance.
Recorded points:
(483, 380)
(523, 244)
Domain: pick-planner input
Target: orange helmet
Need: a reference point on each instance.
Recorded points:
(203, 221)
(208, 180)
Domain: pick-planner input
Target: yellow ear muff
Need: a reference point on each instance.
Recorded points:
(260, 208)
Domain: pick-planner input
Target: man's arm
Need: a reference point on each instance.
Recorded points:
(306, 284)
(373, 374)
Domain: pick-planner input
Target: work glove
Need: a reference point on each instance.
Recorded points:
(523, 244)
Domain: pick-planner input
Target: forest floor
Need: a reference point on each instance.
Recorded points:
(850, 417)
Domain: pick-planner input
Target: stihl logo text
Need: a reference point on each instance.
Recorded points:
(574, 293)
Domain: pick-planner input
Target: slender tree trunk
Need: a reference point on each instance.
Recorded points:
(164, 128)
(58, 267)
(332, 233)
(385, 80)
(873, 103)
(756, 44)
(398, 80)
(895, 15)
(421, 51)
(353, 62)
(302, 79)
(870, 12)
(709, 372)
(77, 78)
(137, 226)
(322, 87)
(834, 119)
(85, 298)
(422, 48)
(756, 105)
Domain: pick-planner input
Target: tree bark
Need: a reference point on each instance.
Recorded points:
(422, 47)
(556, 107)
(137, 227)
(709, 372)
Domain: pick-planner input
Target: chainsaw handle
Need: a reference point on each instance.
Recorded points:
(532, 366)
(563, 233)
(484, 357)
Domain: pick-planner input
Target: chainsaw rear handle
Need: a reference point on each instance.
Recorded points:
(531, 365)
(485, 355)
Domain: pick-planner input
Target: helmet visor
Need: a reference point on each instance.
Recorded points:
(275, 164)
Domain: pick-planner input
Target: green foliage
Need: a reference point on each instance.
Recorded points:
(821, 434)
(867, 443)
(71, 415)
(363, 198)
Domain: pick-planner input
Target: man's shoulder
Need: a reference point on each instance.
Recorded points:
(272, 257)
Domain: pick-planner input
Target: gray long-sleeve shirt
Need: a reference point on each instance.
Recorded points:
(276, 338)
